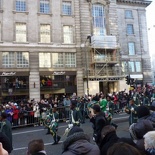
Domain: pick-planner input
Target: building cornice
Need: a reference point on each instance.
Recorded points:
(137, 2)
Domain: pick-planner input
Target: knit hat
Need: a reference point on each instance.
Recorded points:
(142, 111)
(75, 129)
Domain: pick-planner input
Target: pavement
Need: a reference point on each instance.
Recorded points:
(22, 136)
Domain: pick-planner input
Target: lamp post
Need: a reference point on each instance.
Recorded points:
(86, 63)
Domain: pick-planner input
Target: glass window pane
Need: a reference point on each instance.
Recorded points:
(66, 8)
(98, 19)
(130, 29)
(8, 59)
(128, 14)
(44, 6)
(22, 59)
(21, 32)
(68, 34)
(70, 60)
(45, 33)
(131, 66)
(44, 60)
(57, 60)
(131, 47)
(138, 66)
(20, 5)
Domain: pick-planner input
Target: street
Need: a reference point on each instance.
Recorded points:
(22, 136)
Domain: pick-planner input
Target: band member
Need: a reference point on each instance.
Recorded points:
(75, 115)
(131, 109)
(52, 123)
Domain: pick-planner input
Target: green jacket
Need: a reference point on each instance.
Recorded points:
(103, 104)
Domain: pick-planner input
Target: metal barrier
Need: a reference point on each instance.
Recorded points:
(27, 118)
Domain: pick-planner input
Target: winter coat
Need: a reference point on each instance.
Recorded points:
(110, 139)
(78, 144)
(36, 110)
(99, 121)
(6, 142)
(7, 129)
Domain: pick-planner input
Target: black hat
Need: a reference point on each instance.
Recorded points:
(75, 129)
(142, 111)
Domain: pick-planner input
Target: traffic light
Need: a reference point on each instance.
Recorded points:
(132, 81)
(127, 79)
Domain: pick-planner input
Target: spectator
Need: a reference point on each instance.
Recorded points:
(5, 142)
(144, 125)
(36, 147)
(123, 148)
(6, 127)
(77, 143)
(99, 121)
(109, 138)
(149, 142)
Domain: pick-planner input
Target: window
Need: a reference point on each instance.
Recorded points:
(70, 60)
(68, 34)
(20, 5)
(44, 60)
(131, 47)
(22, 59)
(21, 32)
(57, 60)
(45, 36)
(8, 59)
(124, 66)
(128, 14)
(130, 29)
(131, 66)
(138, 66)
(98, 20)
(44, 6)
(66, 8)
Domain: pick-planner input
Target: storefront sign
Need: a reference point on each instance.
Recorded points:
(58, 73)
(8, 73)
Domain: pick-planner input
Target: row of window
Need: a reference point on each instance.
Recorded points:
(44, 33)
(48, 60)
(131, 66)
(44, 6)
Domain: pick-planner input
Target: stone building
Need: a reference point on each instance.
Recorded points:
(53, 47)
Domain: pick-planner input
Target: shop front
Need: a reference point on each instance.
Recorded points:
(57, 83)
(14, 86)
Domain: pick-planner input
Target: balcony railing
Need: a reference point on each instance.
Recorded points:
(108, 59)
(108, 42)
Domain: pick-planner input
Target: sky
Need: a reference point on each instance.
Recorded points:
(150, 16)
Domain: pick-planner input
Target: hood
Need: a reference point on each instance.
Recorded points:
(77, 143)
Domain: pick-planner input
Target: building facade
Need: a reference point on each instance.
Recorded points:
(57, 47)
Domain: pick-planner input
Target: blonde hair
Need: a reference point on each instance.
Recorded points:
(150, 139)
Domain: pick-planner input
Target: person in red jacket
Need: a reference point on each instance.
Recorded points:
(15, 115)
